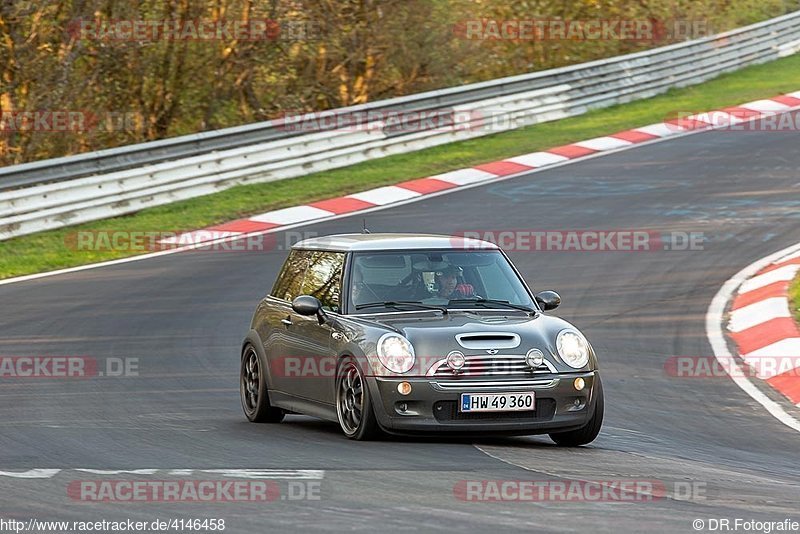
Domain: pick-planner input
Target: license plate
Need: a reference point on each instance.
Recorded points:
(497, 402)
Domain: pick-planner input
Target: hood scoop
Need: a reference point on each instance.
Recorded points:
(488, 340)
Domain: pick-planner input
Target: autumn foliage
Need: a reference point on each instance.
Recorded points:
(120, 72)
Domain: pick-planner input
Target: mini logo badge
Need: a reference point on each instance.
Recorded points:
(491, 351)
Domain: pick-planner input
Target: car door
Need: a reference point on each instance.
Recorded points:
(278, 332)
(310, 347)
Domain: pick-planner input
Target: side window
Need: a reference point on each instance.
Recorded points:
(323, 278)
(290, 281)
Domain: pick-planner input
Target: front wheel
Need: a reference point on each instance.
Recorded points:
(253, 389)
(353, 403)
(588, 432)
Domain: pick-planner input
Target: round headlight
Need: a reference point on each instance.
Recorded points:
(455, 360)
(534, 358)
(395, 353)
(573, 348)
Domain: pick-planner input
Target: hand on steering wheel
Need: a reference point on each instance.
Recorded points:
(465, 290)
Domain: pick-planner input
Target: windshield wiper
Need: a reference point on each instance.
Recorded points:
(493, 301)
(399, 304)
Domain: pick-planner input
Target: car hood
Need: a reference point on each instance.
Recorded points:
(435, 335)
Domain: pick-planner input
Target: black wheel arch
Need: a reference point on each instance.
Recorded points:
(253, 339)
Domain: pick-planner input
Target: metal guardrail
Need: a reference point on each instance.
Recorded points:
(63, 191)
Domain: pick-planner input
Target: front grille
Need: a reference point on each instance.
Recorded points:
(486, 340)
(504, 366)
(447, 412)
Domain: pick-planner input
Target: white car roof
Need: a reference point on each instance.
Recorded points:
(389, 241)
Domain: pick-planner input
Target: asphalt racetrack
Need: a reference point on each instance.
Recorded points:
(183, 316)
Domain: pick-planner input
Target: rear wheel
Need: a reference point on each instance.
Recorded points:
(253, 389)
(588, 432)
(353, 403)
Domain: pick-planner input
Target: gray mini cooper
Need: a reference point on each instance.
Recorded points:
(407, 334)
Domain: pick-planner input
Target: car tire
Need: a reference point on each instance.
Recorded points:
(253, 389)
(354, 403)
(588, 432)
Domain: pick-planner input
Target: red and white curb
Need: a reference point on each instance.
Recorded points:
(753, 309)
(762, 326)
(422, 187)
(440, 184)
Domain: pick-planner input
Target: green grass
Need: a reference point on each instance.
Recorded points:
(47, 250)
(794, 298)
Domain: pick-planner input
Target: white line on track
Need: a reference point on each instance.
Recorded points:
(272, 474)
(714, 320)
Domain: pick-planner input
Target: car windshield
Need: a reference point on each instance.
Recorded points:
(449, 279)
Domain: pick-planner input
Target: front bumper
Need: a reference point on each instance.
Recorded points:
(433, 405)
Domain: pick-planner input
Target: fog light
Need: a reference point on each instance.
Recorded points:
(404, 388)
(534, 358)
(579, 383)
(455, 360)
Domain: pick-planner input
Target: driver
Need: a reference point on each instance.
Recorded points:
(448, 286)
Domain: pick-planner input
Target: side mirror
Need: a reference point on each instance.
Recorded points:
(308, 305)
(548, 300)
